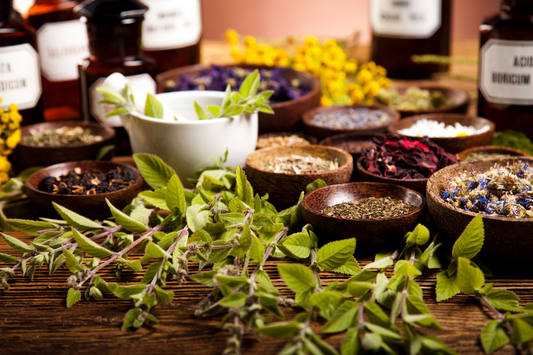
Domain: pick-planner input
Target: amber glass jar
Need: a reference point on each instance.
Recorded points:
(62, 42)
(114, 29)
(171, 32)
(402, 28)
(506, 67)
(20, 77)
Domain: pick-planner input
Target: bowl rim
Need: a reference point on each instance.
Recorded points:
(359, 166)
(481, 148)
(109, 133)
(309, 114)
(432, 195)
(435, 117)
(417, 210)
(349, 159)
(353, 135)
(138, 182)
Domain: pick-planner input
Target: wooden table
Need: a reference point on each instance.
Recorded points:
(34, 319)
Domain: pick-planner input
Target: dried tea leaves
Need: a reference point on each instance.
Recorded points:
(478, 156)
(369, 208)
(278, 141)
(296, 164)
(61, 137)
(352, 118)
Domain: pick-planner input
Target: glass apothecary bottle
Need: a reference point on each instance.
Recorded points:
(171, 32)
(20, 77)
(114, 29)
(62, 43)
(506, 67)
(402, 28)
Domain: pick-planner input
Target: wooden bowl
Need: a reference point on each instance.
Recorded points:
(508, 246)
(491, 149)
(286, 114)
(27, 156)
(284, 189)
(461, 98)
(93, 206)
(418, 185)
(451, 144)
(322, 132)
(369, 232)
(310, 139)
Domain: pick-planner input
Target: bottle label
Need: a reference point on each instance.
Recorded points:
(170, 24)
(405, 18)
(142, 81)
(62, 45)
(20, 78)
(506, 72)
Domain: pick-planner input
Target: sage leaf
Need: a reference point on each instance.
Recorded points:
(471, 240)
(156, 198)
(151, 272)
(358, 289)
(233, 110)
(154, 171)
(16, 244)
(232, 282)
(141, 214)
(102, 152)
(126, 221)
(371, 341)
(153, 107)
(376, 315)
(493, 337)
(134, 265)
(237, 299)
(73, 297)
(318, 183)
(298, 245)
(297, 277)
(116, 112)
(196, 219)
(175, 196)
(245, 242)
(30, 227)
(469, 278)
(89, 246)
(446, 286)
(333, 255)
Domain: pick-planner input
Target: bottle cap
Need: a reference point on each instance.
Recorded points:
(110, 10)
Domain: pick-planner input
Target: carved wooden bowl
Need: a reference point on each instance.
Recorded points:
(451, 144)
(284, 189)
(508, 246)
(368, 232)
(491, 149)
(92, 206)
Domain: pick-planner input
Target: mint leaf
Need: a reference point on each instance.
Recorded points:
(155, 198)
(30, 227)
(75, 220)
(297, 277)
(318, 183)
(342, 319)
(111, 95)
(126, 291)
(89, 246)
(469, 278)
(281, 330)
(153, 107)
(8, 259)
(214, 109)
(73, 297)
(237, 299)
(156, 251)
(380, 264)
(126, 221)
(202, 115)
(257, 251)
(493, 337)
(471, 241)
(175, 196)
(243, 189)
(335, 254)
(352, 342)
(154, 171)
(405, 268)
(350, 267)
(503, 300)
(419, 236)
(250, 84)
(446, 286)
(522, 331)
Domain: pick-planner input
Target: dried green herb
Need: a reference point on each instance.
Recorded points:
(65, 136)
(477, 156)
(297, 164)
(369, 208)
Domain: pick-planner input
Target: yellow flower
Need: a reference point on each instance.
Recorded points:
(364, 76)
(13, 139)
(311, 41)
(232, 37)
(283, 62)
(250, 42)
(236, 55)
(5, 165)
(330, 43)
(299, 66)
(381, 71)
(324, 101)
(357, 95)
(4, 177)
(350, 67)
(372, 88)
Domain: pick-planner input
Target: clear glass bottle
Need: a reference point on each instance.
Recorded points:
(114, 29)
(506, 67)
(62, 42)
(20, 77)
(171, 32)
(402, 28)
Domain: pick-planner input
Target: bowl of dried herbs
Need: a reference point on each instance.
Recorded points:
(376, 214)
(490, 152)
(279, 139)
(284, 172)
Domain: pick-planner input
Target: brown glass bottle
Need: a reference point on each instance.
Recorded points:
(506, 67)
(171, 32)
(62, 43)
(114, 29)
(20, 77)
(402, 28)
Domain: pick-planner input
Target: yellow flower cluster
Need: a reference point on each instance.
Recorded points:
(9, 137)
(343, 80)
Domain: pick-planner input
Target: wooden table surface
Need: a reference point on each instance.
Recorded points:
(34, 319)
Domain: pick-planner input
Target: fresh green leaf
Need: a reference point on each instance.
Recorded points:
(333, 255)
(237, 299)
(73, 297)
(469, 278)
(111, 95)
(297, 277)
(493, 337)
(200, 113)
(175, 196)
(257, 251)
(350, 267)
(380, 264)
(163, 296)
(156, 198)
(153, 107)
(154, 171)
(446, 286)
(16, 244)
(8, 259)
(75, 220)
(243, 188)
(471, 241)
(126, 291)
(30, 227)
(124, 220)
(342, 319)
(156, 251)
(352, 342)
(72, 262)
(250, 84)
(522, 331)
(280, 330)
(102, 152)
(318, 183)
(503, 299)
(405, 268)
(214, 109)
(131, 318)
(89, 246)
(419, 236)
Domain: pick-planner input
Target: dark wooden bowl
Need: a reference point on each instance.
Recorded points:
(418, 185)
(461, 98)
(27, 156)
(284, 189)
(452, 144)
(323, 132)
(369, 232)
(286, 114)
(93, 206)
(491, 149)
(508, 246)
(310, 139)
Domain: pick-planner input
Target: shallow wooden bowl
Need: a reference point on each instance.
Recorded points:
(323, 132)
(418, 185)
(491, 149)
(369, 232)
(284, 189)
(286, 114)
(310, 139)
(460, 97)
(451, 144)
(27, 156)
(508, 246)
(93, 206)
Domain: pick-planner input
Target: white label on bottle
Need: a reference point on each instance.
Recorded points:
(22, 6)
(506, 73)
(142, 81)
(62, 45)
(20, 79)
(171, 24)
(405, 18)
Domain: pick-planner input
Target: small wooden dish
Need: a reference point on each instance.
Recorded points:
(284, 189)
(369, 232)
(27, 156)
(508, 246)
(322, 132)
(451, 144)
(310, 139)
(418, 185)
(491, 149)
(93, 206)
(286, 114)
